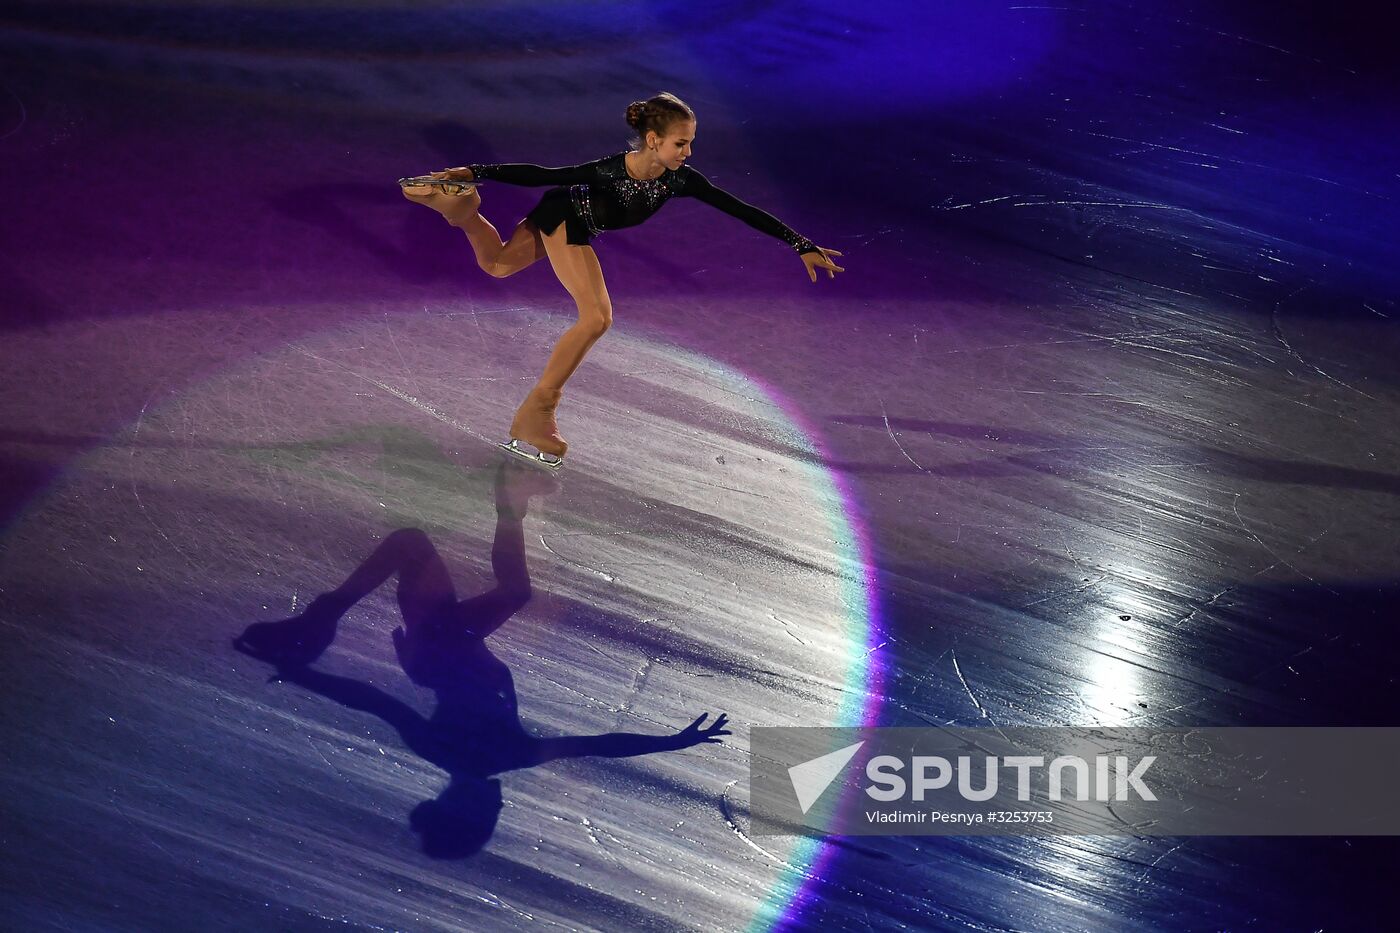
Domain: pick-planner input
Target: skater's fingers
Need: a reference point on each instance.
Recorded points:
(832, 252)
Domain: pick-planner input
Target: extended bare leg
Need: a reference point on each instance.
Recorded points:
(463, 211)
(581, 275)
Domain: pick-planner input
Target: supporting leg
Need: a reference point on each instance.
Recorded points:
(579, 271)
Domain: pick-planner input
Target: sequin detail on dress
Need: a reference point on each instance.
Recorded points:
(582, 207)
(630, 200)
(632, 191)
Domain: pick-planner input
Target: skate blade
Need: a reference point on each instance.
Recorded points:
(447, 185)
(548, 461)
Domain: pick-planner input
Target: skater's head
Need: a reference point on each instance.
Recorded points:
(665, 127)
(461, 820)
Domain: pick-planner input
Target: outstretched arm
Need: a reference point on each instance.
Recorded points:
(627, 744)
(702, 189)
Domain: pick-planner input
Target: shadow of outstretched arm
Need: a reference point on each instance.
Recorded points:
(626, 744)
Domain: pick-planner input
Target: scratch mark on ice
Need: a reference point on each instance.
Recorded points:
(593, 570)
(639, 682)
(1278, 335)
(1235, 507)
(890, 431)
(136, 494)
(399, 394)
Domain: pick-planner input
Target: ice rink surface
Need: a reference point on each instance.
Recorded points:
(1098, 428)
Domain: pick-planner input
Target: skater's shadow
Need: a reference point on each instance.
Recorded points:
(474, 732)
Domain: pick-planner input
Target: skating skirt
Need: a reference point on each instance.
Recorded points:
(556, 207)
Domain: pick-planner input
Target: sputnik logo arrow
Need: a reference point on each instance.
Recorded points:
(811, 778)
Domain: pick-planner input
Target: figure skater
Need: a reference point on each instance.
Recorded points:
(621, 190)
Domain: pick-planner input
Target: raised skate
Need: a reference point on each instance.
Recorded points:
(456, 201)
(298, 641)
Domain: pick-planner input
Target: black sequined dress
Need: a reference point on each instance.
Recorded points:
(601, 195)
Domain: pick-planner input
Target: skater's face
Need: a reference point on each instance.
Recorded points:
(674, 148)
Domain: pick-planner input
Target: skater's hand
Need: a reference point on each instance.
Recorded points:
(821, 260)
(454, 174)
(694, 734)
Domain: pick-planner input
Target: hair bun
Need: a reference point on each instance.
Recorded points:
(656, 114)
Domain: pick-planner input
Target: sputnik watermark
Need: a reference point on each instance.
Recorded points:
(1113, 779)
(1116, 778)
(1221, 781)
